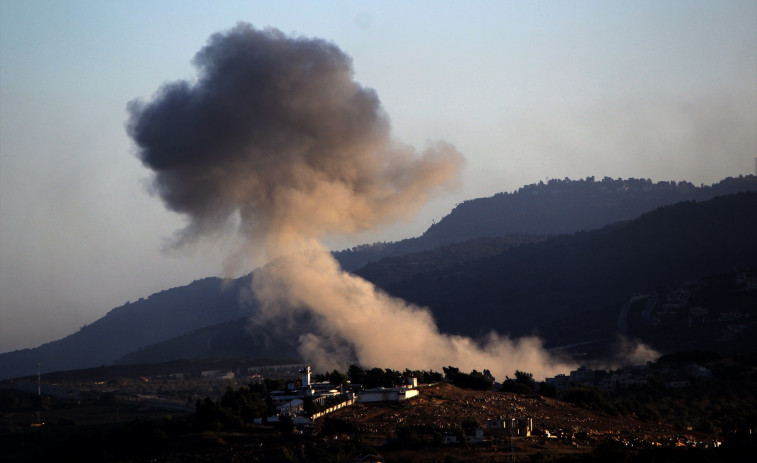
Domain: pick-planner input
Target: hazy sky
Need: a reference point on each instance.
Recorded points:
(525, 90)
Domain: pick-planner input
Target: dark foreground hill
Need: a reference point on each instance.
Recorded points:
(106, 426)
(590, 273)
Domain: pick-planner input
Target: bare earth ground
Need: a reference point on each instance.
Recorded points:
(444, 406)
(438, 408)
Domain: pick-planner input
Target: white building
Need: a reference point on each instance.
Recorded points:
(217, 374)
(305, 376)
(381, 394)
(521, 427)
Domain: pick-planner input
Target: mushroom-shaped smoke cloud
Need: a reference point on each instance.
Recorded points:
(277, 137)
(276, 132)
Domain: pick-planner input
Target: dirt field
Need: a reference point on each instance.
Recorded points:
(445, 407)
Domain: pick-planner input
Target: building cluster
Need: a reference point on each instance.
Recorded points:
(245, 373)
(497, 427)
(329, 397)
(475, 436)
(689, 306)
(240, 371)
(600, 379)
(218, 374)
(671, 377)
(512, 427)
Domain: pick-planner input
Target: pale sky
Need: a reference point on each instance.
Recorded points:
(526, 90)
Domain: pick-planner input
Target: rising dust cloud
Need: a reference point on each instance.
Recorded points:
(276, 138)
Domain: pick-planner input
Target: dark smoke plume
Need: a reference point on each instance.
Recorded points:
(276, 137)
(276, 130)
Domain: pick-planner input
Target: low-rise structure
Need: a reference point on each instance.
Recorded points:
(503, 426)
(217, 374)
(392, 394)
(292, 400)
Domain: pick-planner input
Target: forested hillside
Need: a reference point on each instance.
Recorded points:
(161, 316)
(531, 285)
(567, 288)
(552, 208)
(231, 340)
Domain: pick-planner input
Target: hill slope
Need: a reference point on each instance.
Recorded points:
(555, 207)
(531, 285)
(124, 329)
(230, 340)
(569, 289)
(512, 284)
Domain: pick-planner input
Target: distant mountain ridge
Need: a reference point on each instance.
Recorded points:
(124, 329)
(465, 274)
(568, 289)
(534, 284)
(552, 208)
(574, 205)
(235, 339)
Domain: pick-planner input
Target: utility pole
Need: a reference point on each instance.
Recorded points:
(511, 449)
(39, 396)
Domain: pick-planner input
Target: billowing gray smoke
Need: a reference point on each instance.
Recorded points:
(277, 138)
(276, 130)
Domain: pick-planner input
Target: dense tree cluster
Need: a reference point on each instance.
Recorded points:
(712, 407)
(376, 377)
(523, 383)
(236, 408)
(335, 377)
(480, 381)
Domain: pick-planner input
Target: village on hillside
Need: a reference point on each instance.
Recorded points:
(388, 411)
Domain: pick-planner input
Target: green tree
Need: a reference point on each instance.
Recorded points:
(523, 383)
(473, 380)
(355, 374)
(286, 425)
(337, 378)
(308, 406)
(547, 389)
(207, 414)
(526, 378)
